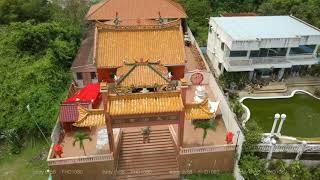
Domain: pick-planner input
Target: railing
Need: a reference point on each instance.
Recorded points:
(117, 150)
(55, 135)
(207, 149)
(289, 148)
(81, 159)
(174, 136)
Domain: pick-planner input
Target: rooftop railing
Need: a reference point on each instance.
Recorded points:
(207, 149)
(80, 159)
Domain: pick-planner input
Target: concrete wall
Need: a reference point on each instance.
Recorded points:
(207, 162)
(83, 171)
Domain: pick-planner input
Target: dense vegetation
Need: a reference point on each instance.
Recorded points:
(200, 10)
(38, 41)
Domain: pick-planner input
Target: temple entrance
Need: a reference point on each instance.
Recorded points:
(143, 158)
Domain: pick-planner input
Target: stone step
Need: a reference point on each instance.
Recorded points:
(147, 161)
(145, 146)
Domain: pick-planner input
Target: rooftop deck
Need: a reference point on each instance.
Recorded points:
(90, 146)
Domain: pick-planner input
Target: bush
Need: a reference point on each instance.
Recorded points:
(278, 168)
(253, 168)
(317, 92)
(298, 171)
(315, 171)
(237, 108)
(239, 79)
(253, 134)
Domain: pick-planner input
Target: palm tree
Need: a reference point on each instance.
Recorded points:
(205, 125)
(80, 137)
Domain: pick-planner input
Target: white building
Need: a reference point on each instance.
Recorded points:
(261, 45)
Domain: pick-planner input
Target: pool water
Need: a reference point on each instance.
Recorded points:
(302, 110)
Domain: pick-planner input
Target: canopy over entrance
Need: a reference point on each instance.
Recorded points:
(90, 93)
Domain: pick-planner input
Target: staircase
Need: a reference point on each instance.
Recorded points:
(154, 160)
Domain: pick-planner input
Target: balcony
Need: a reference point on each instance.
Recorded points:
(249, 64)
(73, 154)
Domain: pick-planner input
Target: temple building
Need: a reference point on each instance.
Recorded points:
(143, 93)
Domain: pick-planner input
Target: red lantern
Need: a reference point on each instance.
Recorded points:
(57, 148)
(229, 137)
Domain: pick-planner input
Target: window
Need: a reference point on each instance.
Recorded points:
(222, 46)
(238, 53)
(210, 29)
(254, 53)
(303, 49)
(79, 76)
(93, 75)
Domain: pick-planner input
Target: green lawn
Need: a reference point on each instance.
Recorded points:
(30, 164)
(222, 176)
(303, 114)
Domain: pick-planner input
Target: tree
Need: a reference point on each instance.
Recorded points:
(205, 125)
(80, 137)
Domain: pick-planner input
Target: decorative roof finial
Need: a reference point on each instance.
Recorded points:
(161, 20)
(117, 20)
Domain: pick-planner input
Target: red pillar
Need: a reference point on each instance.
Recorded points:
(183, 91)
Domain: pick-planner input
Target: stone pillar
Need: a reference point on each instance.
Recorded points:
(276, 118)
(283, 118)
(248, 54)
(288, 51)
(269, 156)
(251, 73)
(301, 150)
(315, 50)
(281, 73)
(108, 119)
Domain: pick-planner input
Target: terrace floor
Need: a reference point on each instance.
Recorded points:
(90, 146)
(193, 58)
(193, 137)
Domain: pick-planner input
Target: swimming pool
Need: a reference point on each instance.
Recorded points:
(302, 110)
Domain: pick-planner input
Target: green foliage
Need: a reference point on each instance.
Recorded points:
(23, 10)
(315, 70)
(278, 168)
(253, 168)
(315, 172)
(80, 137)
(35, 57)
(209, 176)
(307, 10)
(198, 13)
(297, 171)
(205, 125)
(317, 92)
(238, 79)
(253, 134)
(237, 108)
(14, 140)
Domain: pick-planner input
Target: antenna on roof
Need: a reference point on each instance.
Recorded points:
(117, 20)
(161, 20)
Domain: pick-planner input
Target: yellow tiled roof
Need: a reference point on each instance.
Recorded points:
(140, 103)
(90, 117)
(142, 74)
(198, 111)
(154, 42)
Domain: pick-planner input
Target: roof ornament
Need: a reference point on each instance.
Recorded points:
(117, 20)
(161, 20)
